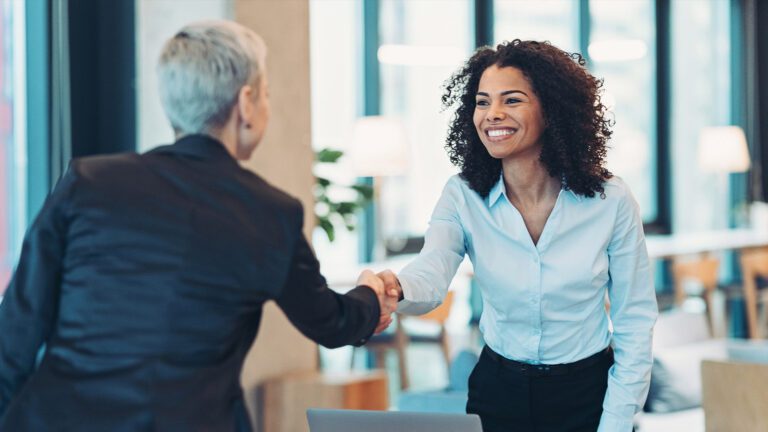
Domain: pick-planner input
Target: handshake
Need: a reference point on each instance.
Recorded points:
(388, 291)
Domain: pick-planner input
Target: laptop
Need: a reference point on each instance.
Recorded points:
(328, 420)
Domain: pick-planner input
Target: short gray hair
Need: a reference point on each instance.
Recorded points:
(202, 69)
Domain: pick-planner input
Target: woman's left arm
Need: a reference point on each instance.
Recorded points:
(633, 312)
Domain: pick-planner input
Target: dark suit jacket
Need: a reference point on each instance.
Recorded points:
(145, 276)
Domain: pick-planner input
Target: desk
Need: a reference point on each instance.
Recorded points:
(705, 243)
(674, 245)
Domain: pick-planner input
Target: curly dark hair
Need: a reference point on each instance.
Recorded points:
(576, 132)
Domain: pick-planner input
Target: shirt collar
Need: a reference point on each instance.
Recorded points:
(498, 190)
(575, 196)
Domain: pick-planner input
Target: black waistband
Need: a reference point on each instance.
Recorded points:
(544, 369)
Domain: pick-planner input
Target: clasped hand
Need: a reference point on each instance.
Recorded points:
(388, 291)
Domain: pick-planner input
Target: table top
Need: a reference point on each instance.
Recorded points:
(660, 246)
(672, 245)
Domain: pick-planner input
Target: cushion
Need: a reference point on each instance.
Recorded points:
(691, 420)
(748, 351)
(439, 401)
(676, 375)
(461, 368)
(676, 327)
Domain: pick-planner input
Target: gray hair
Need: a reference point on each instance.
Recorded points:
(202, 69)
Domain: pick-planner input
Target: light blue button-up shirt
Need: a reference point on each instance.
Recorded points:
(545, 302)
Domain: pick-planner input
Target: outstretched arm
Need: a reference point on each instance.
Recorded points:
(329, 318)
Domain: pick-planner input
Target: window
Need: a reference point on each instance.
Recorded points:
(701, 97)
(421, 44)
(621, 50)
(336, 84)
(555, 21)
(417, 53)
(13, 172)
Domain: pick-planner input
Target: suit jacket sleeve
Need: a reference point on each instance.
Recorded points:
(29, 308)
(326, 317)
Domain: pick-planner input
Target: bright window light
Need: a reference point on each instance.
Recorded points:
(412, 55)
(617, 50)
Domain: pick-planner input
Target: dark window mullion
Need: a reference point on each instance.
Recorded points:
(484, 23)
(662, 224)
(371, 106)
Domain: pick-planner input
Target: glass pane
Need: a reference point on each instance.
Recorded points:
(335, 67)
(12, 139)
(701, 97)
(417, 55)
(555, 21)
(621, 51)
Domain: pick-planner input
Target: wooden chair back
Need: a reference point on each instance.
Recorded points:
(754, 264)
(701, 269)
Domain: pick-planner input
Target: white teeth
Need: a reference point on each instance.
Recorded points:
(500, 132)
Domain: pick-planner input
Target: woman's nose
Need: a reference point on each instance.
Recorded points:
(495, 114)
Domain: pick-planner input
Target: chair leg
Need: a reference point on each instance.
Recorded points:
(380, 358)
(707, 295)
(401, 343)
(446, 349)
(750, 304)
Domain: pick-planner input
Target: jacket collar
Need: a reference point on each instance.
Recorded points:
(199, 146)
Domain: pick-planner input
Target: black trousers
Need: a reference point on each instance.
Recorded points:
(514, 397)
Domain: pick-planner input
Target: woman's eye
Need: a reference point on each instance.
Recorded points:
(481, 103)
(512, 100)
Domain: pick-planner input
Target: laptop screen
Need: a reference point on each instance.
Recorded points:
(324, 420)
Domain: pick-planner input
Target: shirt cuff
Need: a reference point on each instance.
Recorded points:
(410, 305)
(613, 423)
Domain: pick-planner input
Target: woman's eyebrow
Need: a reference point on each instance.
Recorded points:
(504, 93)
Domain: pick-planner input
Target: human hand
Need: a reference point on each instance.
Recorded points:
(387, 304)
(393, 292)
(391, 284)
(369, 279)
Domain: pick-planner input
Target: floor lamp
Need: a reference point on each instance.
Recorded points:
(379, 149)
(723, 150)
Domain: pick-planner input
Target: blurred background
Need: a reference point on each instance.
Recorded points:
(358, 133)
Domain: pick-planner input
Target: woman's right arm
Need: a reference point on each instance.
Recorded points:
(425, 281)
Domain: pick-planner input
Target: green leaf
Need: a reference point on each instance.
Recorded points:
(328, 155)
(365, 190)
(346, 207)
(324, 182)
(327, 226)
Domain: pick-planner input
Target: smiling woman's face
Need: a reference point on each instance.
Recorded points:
(508, 115)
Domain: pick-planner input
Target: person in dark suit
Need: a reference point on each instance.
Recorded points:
(144, 276)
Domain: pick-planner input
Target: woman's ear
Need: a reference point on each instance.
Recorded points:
(246, 105)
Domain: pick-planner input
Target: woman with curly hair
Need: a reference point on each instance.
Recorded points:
(550, 232)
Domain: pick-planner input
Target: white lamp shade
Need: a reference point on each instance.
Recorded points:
(723, 149)
(379, 147)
